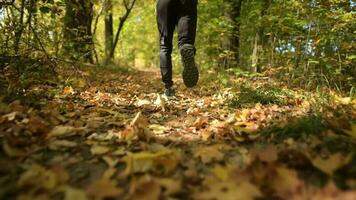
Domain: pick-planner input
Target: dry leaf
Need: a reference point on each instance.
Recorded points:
(352, 131)
(332, 163)
(229, 191)
(209, 154)
(59, 144)
(165, 161)
(71, 193)
(268, 154)
(286, 182)
(145, 188)
(12, 151)
(102, 189)
(36, 178)
(59, 131)
(99, 150)
(68, 90)
(160, 102)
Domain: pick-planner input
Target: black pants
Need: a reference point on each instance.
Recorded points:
(172, 13)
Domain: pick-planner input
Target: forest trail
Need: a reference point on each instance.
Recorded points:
(108, 134)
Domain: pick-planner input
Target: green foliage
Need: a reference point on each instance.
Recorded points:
(313, 124)
(250, 96)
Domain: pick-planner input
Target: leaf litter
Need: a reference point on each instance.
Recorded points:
(118, 138)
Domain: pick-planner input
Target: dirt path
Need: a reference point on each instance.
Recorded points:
(105, 134)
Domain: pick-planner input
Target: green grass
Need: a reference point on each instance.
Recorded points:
(250, 96)
(313, 124)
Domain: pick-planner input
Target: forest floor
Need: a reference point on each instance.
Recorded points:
(108, 134)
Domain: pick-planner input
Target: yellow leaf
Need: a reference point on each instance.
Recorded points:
(73, 193)
(68, 90)
(62, 130)
(246, 127)
(164, 161)
(352, 131)
(209, 154)
(331, 164)
(12, 151)
(286, 182)
(59, 144)
(37, 177)
(99, 150)
(103, 189)
(229, 190)
(171, 186)
(221, 172)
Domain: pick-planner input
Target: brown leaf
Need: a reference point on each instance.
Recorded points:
(68, 90)
(229, 190)
(145, 188)
(268, 154)
(200, 122)
(209, 154)
(102, 189)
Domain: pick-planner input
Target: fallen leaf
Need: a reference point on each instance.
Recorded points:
(229, 190)
(37, 178)
(165, 161)
(209, 154)
(59, 131)
(61, 144)
(71, 193)
(12, 151)
(268, 154)
(99, 150)
(142, 102)
(200, 122)
(103, 189)
(160, 102)
(352, 131)
(68, 90)
(145, 188)
(11, 116)
(170, 186)
(332, 163)
(285, 182)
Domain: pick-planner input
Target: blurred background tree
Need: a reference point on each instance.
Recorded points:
(307, 43)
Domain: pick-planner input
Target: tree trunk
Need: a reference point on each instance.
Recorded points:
(19, 28)
(255, 64)
(128, 4)
(109, 31)
(232, 42)
(78, 41)
(260, 39)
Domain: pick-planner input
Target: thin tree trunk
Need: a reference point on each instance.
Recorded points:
(109, 31)
(19, 27)
(128, 7)
(255, 65)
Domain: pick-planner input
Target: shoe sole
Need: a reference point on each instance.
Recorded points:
(190, 72)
